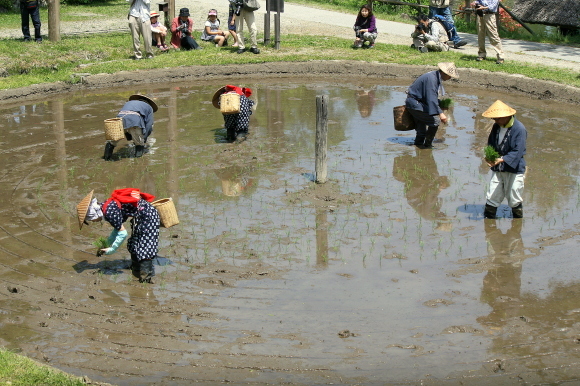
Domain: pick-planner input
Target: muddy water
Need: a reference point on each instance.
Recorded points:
(387, 273)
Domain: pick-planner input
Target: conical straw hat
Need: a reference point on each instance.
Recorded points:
(83, 208)
(498, 110)
(144, 98)
(448, 68)
(216, 97)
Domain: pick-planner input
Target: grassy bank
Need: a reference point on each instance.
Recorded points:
(18, 370)
(25, 64)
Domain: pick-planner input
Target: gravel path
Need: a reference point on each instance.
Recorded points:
(313, 21)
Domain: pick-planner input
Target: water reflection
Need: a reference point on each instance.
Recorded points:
(365, 100)
(236, 180)
(423, 184)
(502, 283)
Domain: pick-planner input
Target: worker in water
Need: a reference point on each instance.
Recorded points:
(137, 116)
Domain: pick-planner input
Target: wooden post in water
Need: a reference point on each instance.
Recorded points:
(54, 20)
(320, 151)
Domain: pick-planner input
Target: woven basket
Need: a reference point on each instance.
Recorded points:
(403, 119)
(230, 103)
(167, 212)
(114, 129)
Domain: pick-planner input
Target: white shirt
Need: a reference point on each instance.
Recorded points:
(140, 9)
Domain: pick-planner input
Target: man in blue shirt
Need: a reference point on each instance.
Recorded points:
(440, 9)
(423, 103)
(487, 26)
(137, 116)
(508, 137)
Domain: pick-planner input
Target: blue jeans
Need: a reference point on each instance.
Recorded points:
(34, 13)
(446, 13)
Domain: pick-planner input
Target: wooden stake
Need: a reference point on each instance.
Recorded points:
(54, 20)
(321, 169)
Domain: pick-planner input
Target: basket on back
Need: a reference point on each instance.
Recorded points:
(403, 119)
(230, 103)
(167, 212)
(114, 129)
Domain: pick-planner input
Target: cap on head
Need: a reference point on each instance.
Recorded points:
(212, 12)
(449, 69)
(499, 110)
(184, 12)
(144, 98)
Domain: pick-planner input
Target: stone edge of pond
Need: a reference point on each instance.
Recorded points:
(512, 83)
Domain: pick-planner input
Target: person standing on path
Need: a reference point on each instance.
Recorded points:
(140, 25)
(441, 8)
(508, 137)
(486, 11)
(423, 103)
(30, 8)
(243, 14)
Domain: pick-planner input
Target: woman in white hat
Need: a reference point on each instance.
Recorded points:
(137, 115)
(508, 137)
(423, 103)
(144, 241)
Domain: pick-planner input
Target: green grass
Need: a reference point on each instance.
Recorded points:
(18, 370)
(26, 64)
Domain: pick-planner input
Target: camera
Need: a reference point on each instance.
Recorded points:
(421, 28)
(357, 31)
(478, 10)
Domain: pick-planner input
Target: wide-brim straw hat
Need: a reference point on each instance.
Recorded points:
(499, 110)
(154, 14)
(215, 101)
(449, 69)
(144, 98)
(83, 208)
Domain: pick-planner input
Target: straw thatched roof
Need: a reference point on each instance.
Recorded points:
(561, 13)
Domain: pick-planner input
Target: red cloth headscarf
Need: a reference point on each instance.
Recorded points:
(127, 196)
(240, 90)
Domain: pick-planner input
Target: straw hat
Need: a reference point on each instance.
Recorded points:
(449, 69)
(83, 208)
(144, 98)
(154, 14)
(498, 110)
(216, 97)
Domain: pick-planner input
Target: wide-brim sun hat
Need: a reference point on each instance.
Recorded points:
(154, 14)
(499, 110)
(184, 12)
(449, 69)
(144, 98)
(215, 101)
(83, 208)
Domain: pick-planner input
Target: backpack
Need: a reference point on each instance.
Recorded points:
(446, 25)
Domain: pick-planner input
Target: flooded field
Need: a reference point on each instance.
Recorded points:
(385, 274)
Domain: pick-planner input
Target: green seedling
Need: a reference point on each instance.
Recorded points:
(101, 243)
(445, 103)
(490, 154)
